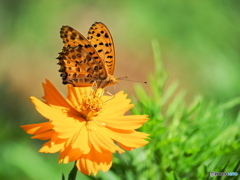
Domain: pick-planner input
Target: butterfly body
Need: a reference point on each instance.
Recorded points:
(87, 62)
(109, 81)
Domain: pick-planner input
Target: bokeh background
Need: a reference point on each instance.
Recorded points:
(199, 42)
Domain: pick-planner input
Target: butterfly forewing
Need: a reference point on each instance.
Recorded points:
(101, 39)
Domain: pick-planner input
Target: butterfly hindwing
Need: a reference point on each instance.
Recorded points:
(77, 67)
(101, 39)
(72, 38)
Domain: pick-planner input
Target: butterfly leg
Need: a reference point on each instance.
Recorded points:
(111, 95)
(93, 85)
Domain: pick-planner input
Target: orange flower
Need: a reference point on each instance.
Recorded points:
(86, 127)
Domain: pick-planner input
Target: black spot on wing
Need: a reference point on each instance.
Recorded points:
(81, 38)
(74, 75)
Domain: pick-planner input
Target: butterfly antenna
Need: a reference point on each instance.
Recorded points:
(125, 79)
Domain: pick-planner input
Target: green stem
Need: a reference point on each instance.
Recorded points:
(73, 174)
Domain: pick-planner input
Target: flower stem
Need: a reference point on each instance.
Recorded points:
(73, 174)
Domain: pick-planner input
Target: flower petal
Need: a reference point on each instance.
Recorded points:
(117, 106)
(101, 140)
(94, 161)
(123, 122)
(54, 145)
(75, 94)
(49, 147)
(62, 122)
(80, 138)
(53, 97)
(133, 139)
(44, 136)
(69, 154)
(37, 128)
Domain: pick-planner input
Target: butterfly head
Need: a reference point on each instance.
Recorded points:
(113, 80)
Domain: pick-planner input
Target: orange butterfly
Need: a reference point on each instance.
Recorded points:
(87, 62)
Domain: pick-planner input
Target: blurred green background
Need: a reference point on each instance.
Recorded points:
(199, 42)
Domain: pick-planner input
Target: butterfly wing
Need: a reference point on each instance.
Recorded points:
(79, 68)
(75, 43)
(101, 39)
(72, 38)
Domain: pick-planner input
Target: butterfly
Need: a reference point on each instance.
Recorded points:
(87, 62)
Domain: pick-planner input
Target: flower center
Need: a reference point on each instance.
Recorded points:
(91, 105)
